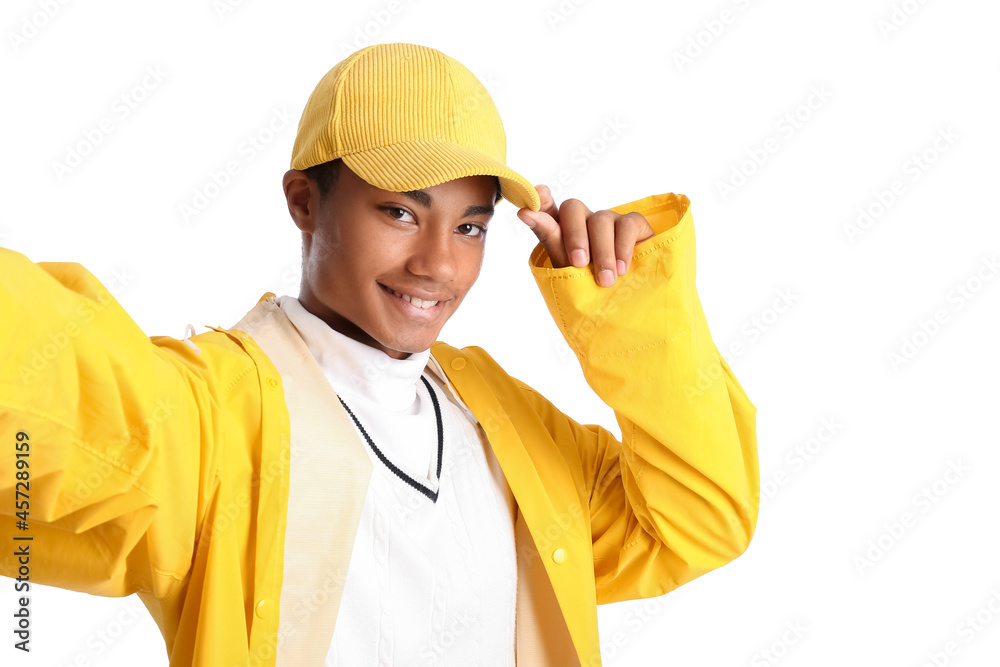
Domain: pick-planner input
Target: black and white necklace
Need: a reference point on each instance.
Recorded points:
(433, 495)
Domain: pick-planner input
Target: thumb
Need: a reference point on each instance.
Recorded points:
(545, 224)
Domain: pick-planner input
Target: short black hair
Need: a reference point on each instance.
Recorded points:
(325, 174)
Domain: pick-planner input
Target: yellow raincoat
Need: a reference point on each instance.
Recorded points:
(219, 478)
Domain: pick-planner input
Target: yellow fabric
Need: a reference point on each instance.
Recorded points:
(161, 469)
(404, 117)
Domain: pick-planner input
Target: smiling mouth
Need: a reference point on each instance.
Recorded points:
(412, 300)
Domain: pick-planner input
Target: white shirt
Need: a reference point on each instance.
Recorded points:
(430, 581)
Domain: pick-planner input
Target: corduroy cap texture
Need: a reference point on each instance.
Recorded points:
(405, 117)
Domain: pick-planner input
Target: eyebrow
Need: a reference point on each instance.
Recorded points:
(424, 200)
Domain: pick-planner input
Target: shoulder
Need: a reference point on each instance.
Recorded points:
(451, 357)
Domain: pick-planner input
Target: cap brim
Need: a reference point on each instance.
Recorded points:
(412, 165)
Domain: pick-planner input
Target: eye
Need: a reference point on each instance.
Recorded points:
(392, 210)
(481, 229)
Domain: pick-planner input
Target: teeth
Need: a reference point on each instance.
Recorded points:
(419, 303)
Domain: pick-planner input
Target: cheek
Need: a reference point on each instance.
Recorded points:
(321, 251)
(331, 243)
(331, 268)
(475, 267)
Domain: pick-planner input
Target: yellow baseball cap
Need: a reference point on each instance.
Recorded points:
(405, 117)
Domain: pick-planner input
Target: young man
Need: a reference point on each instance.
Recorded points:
(325, 482)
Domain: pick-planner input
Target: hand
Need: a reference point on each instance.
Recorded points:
(572, 234)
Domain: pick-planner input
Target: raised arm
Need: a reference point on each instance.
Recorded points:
(678, 496)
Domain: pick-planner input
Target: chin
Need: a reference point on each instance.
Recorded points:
(407, 345)
(411, 347)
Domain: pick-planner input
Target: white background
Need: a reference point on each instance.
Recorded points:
(818, 308)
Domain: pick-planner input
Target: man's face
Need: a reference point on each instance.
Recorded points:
(361, 244)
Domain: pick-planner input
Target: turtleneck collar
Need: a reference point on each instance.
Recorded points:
(355, 369)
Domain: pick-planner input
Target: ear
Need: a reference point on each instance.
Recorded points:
(302, 196)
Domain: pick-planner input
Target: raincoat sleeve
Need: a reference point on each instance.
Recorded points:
(678, 496)
(109, 436)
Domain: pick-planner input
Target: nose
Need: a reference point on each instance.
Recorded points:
(433, 255)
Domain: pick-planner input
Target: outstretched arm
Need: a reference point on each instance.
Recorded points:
(117, 434)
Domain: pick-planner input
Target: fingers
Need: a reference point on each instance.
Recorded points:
(573, 216)
(545, 224)
(547, 207)
(603, 231)
(548, 204)
(607, 237)
(630, 227)
(574, 235)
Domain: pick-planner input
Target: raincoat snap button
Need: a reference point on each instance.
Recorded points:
(458, 363)
(261, 609)
(272, 382)
(558, 556)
